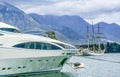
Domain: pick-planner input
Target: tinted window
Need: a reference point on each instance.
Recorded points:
(20, 45)
(37, 45)
(65, 46)
(29, 45)
(46, 46)
(10, 30)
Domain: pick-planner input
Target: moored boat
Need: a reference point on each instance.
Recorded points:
(93, 52)
(23, 53)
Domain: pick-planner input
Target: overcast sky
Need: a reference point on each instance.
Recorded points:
(90, 10)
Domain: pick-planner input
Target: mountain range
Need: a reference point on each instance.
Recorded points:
(70, 29)
(78, 25)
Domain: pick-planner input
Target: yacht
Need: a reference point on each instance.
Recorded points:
(24, 53)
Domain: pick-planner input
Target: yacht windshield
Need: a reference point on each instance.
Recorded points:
(10, 30)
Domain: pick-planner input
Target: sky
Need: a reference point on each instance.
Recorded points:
(90, 10)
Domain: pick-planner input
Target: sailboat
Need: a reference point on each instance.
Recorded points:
(93, 52)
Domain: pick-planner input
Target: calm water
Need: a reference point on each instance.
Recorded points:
(107, 65)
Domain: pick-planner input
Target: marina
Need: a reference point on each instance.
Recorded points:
(57, 58)
(55, 38)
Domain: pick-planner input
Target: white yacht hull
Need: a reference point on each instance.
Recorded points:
(23, 53)
(29, 65)
(13, 62)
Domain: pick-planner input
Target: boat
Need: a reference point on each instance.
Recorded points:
(24, 53)
(93, 52)
(88, 52)
(78, 65)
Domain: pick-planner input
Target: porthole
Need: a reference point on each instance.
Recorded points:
(24, 66)
(3, 68)
(9, 68)
(46, 60)
(30, 60)
(39, 60)
(19, 67)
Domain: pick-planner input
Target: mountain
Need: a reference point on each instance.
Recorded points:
(69, 24)
(67, 28)
(14, 16)
(73, 27)
(76, 23)
(11, 15)
(110, 31)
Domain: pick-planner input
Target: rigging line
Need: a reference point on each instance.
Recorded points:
(103, 60)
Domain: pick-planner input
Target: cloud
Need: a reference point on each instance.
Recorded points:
(109, 18)
(97, 10)
(77, 7)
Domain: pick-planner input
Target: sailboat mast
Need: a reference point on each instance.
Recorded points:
(98, 37)
(88, 36)
(93, 37)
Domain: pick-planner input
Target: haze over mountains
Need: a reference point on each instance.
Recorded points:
(67, 28)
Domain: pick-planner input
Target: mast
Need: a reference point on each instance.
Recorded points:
(93, 37)
(88, 36)
(98, 37)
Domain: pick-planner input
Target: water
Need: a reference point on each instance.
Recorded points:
(107, 65)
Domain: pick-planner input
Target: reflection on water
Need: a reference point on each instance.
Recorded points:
(59, 74)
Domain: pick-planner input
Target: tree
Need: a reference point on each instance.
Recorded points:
(51, 35)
